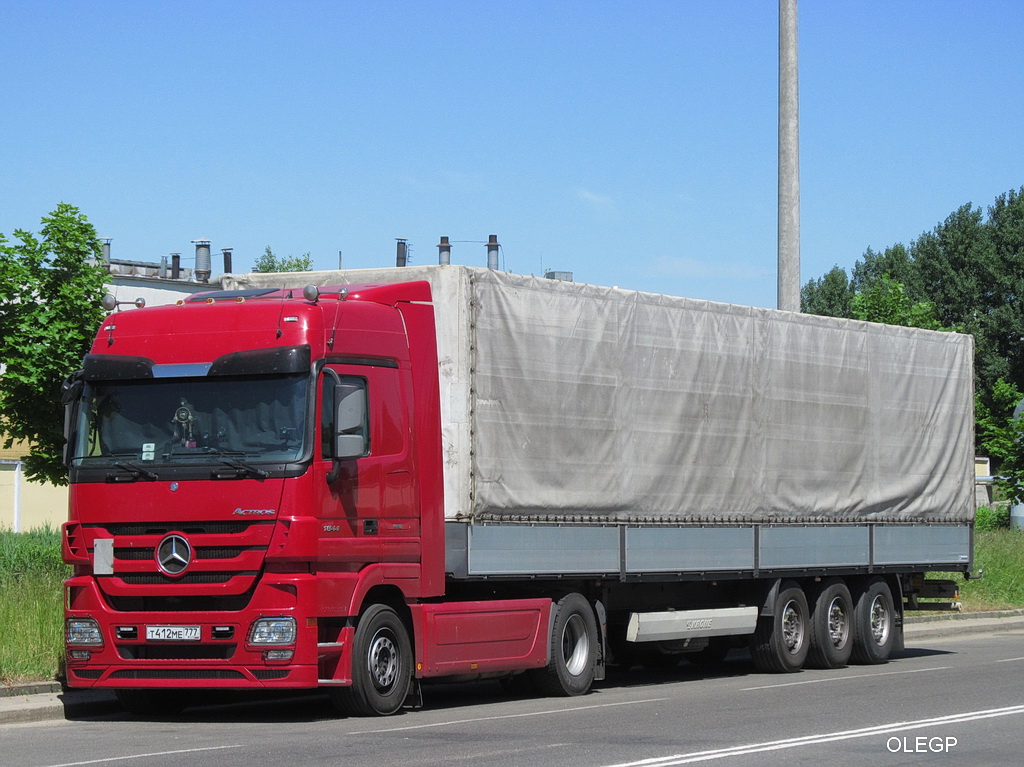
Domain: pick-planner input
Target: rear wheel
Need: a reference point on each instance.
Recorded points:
(381, 666)
(781, 642)
(831, 626)
(875, 623)
(573, 649)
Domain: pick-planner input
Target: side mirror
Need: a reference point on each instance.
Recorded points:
(71, 389)
(70, 394)
(350, 437)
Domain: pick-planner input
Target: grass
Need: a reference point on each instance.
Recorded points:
(31, 606)
(1000, 553)
(32, 577)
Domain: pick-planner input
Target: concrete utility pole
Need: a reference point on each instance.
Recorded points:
(789, 161)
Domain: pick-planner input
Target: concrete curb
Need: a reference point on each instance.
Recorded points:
(46, 701)
(946, 624)
(18, 704)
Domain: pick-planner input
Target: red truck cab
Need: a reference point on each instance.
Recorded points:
(250, 472)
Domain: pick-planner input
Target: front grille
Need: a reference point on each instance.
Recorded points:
(87, 673)
(158, 604)
(177, 673)
(147, 579)
(269, 673)
(176, 652)
(190, 528)
(137, 554)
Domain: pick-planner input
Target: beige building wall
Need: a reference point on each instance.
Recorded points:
(26, 505)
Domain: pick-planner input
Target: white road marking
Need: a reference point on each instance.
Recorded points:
(505, 716)
(807, 740)
(143, 756)
(844, 678)
(1009, 660)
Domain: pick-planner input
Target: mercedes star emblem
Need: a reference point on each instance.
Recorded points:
(173, 554)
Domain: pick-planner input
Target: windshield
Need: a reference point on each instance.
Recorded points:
(192, 420)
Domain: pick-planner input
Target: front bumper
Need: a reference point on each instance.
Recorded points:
(221, 657)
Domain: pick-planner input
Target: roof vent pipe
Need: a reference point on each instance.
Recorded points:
(226, 252)
(401, 257)
(105, 248)
(444, 252)
(202, 268)
(492, 251)
(163, 268)
(175, 266)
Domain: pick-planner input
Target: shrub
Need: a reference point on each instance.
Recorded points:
(992, 518)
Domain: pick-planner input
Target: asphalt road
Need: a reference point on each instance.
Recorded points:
(948, 700)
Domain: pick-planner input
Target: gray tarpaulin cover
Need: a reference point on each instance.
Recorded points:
(564, 402)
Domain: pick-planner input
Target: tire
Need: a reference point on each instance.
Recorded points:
(382, 666)
(149, 702)
(572, 648)
(874, 624)
(781, 642)
(831, 626)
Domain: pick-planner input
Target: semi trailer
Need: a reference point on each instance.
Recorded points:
(366, 480)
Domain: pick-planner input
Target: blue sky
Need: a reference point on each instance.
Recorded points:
(632, 143)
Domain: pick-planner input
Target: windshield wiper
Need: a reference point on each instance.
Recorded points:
(134, 472)
(241, 467)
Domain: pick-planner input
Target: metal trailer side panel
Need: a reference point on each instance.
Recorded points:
(504, 550)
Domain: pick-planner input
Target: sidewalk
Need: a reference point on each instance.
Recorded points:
(44, 701)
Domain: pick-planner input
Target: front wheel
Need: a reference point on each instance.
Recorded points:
(572, 662)
(381, 666)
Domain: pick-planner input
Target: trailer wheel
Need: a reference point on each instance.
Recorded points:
(381, 666)
(831, 626)
(147, 702)
(875, 622)
(573, 650)
(781, 642)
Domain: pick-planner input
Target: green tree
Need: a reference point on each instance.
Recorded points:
(269, 262)
(50, 292)
(886, 300)
(1001, 435)
(1003, 326)
(895, 262)
(956, 264)
(830, 296)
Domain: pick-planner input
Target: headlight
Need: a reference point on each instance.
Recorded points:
(83, 631)
(272, 631)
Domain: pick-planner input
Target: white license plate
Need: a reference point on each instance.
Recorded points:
(173, 633)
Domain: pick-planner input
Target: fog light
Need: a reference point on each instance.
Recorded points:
(278, 654)
(83, 631)
(79, 654)
(272, 631)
